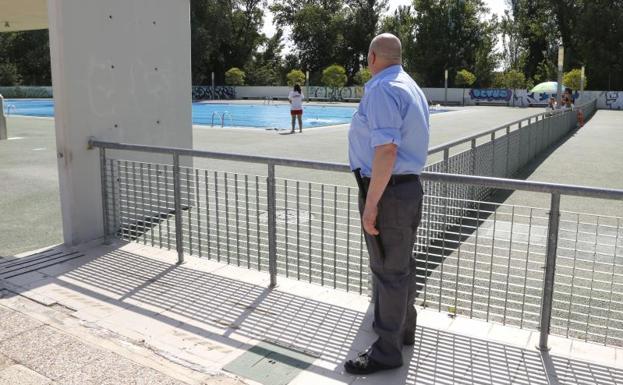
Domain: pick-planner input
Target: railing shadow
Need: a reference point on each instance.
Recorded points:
(331, 333)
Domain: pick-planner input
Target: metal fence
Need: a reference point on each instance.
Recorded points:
(477, 258)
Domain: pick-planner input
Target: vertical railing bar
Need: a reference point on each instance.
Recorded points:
(614, 262)
(190, 221)
(428, 231)
(493, 154)
(508, 151)
(443, 246)
(198, 208)
(114, 197)
(179, 242)
(335, 237)
(525, 281)
(144, 217)
(309, 229)
(458, 261)
(471, 309)
(491, 263)
(285, 225)
(257, 223)
(246, 219)
(550, 270)
(298, 232)
(236, 205)
(218, 221)
(134, 203)
(322, 234)
(227, 243)
(206, 178)
(168, 199)
(590, 293)
(348, 191)
(575, 257)
(508, 266)
(104, 191)
(272, 231)
(151, 205)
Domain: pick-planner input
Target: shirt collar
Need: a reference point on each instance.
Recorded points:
(391, 70)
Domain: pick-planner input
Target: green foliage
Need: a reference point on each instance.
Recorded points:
(515, 79)
(295, 77)
(9, 75)
(334, 76)
(573, 79)
(362, 76)
(234, 77)
(25, 58)
(464, 78)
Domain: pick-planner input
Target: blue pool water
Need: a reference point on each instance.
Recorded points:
(238, 115)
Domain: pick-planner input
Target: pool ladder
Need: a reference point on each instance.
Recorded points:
(222, 116)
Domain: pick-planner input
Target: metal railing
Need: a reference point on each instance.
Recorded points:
(481, 259)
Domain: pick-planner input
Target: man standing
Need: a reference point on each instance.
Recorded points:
(388, 144)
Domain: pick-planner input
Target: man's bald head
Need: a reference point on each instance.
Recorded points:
(385, 50)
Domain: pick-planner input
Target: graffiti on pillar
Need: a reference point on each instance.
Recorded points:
(490, 94)
(218, 92)
(614, 100)
(335, 93)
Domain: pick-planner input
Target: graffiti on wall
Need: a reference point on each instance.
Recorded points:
(614, 100)
(490, 94)
(527, 99)
(217, 92)
(331, 93)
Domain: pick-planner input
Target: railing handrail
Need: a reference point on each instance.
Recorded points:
(498, 183)
(469, 138)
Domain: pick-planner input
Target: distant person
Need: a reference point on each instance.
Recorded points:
(567, 100)
(552, 104)
(296, 107)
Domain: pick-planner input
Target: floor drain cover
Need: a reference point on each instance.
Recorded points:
(270, 364)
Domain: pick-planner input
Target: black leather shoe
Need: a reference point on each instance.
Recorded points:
(364, 364)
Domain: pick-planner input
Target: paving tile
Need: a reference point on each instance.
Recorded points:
(21, 375)
(13, 323)
(510, 335)
(67, 357)
(5, 361)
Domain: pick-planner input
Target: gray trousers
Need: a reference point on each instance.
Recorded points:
(393, 269)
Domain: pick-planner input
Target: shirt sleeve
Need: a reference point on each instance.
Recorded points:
(384, 117)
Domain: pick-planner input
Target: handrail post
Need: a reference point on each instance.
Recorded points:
(550, 270)
(508, 150)
(104, 195)
(177, 197)
(272, 224)
(493, 154)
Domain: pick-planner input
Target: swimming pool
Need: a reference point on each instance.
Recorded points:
(271, 116)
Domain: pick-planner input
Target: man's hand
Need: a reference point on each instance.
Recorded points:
(369, 219)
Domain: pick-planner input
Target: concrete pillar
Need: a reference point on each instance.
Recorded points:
(3, 130)
(120, 72)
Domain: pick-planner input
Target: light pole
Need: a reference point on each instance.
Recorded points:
(582, 82)
(561, 59)
(213, 85)
(307, 83)
(445, 97)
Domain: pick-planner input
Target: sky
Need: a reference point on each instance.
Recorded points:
(496, 6)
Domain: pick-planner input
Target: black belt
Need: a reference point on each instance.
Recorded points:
(397, 179)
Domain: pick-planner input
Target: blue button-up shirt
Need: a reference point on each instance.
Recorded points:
(393, 110)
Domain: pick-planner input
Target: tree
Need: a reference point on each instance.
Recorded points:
(295, 77)
(403, 25)
(25, 58)
(573, 79)
(464, 78)
(362, 76)
(514, 79)
(224, 34)
(330, 31)
(453, 35)
(334, 76)
(234, 77)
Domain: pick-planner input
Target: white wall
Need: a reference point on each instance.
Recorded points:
(120, 72)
